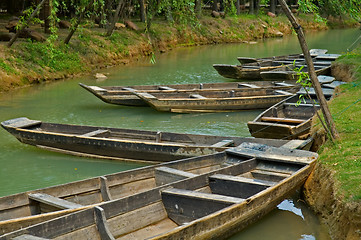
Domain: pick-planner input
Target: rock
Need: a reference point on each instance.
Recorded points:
(271, 14)
(119, 25)
(11, 26)
(222, 14)
(100, 76)
(215, 14)
(294, 10)
(6, 36)
(64, 24)
(131, 25)
(278, 34)
(32, 34)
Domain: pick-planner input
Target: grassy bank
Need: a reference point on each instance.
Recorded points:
(32, 62)
(334, 188)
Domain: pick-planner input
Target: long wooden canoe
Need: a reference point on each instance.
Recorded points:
(28, 208)
(212, 205)
(122, 144)
(284, 120)
(121, 95)
(220, 101)
(290, 73)
(252, 70)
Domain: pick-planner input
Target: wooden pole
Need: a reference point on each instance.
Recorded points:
(11, 42)
(311, 70)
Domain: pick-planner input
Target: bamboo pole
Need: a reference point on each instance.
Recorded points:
(11, 42)
(311, 70)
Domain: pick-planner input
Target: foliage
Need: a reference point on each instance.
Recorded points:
(6, 67)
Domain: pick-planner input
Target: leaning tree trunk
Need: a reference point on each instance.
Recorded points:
(311, 70)
(13, 39)
(74, 28)
(115, 18)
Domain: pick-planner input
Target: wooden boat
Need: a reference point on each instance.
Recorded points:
(251, 70)
(121, 95)
(220, 101)
(313, 53)
(284, 120)
(290, 72)
(327, 92)
(212, 205)
(28, 208)
(122, 144)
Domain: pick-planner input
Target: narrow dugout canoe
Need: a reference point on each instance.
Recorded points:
(290, 73)
(313, 53)
(284, 120)
(122, 144)
(121, 95)
(212, 205)
(28, 208)
(252, 70)
(220, 101)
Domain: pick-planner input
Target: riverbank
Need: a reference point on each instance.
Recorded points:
(333, 190)
(89, 50)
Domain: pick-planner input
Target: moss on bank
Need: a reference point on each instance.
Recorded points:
(29, 62)
(334, 189)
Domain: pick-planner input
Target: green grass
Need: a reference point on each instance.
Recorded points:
(344, 157)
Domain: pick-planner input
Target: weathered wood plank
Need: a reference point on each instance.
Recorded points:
(223, 143)
(248, 85)
(102, 224)
(164, 175)
(198, 96)
(269, 176)
(53, 201)
(166, 88)
(28, 237)
(282, 120)
(104, 189)
(95, 133)
(236, 186)
(184, 206)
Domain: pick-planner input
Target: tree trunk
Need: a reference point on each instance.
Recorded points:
(46, 14)
(198, 8)
(273, 6)
(256, 6)
(142, 10)
(311, 70)
(115, 18)
(74, 28)
(238, 7)
(11, 42)
(251, 6)
(215, 5)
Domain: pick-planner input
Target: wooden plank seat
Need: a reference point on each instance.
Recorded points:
(282, 120)
(282, 84)
(166, 88)
(197, 96)
(223, 143)
(28, 237)
(25, 123)
(237, 186)
(248, 85)
(185, 205)
(269, 176)
(54, 201)
(95, 133)
(164, 175)
(129, 89)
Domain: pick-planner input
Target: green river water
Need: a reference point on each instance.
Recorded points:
(25, 167)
